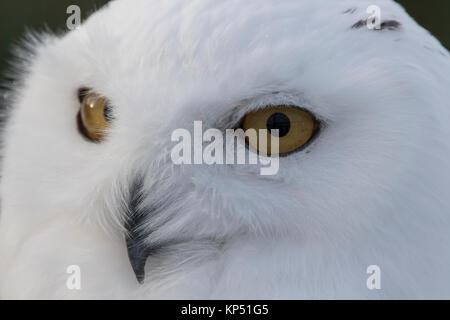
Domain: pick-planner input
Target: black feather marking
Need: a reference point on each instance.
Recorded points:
(390, 25)
(385, 25)
(350, 11)
(359, 24)
(138, 252)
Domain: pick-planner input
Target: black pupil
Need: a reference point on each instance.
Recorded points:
(279, 121)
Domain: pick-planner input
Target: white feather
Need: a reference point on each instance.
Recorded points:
(373, 188)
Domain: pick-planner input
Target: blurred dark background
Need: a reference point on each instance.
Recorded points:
(18, 15)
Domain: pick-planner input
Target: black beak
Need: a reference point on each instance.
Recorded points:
(138, 251)
(138, 257)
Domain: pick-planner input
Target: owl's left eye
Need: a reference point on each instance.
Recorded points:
(296, 127)
(94, 116)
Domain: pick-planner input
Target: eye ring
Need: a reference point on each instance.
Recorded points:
(94, 118)
(298, 128)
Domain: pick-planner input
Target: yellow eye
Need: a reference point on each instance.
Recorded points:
(296, 127)
(93, 119)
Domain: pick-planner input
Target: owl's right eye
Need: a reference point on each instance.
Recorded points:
(94, 116)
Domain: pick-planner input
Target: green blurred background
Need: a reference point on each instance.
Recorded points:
(18, 15)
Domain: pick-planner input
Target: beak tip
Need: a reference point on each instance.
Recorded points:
(139, 277)
(138, 258)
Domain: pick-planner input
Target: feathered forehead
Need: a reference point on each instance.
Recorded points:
(199, 38)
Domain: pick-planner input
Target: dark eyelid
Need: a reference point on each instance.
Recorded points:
(82, 93)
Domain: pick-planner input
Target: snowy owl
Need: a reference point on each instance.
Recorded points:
(360, 205)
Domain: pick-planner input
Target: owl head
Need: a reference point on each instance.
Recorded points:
(363, 172)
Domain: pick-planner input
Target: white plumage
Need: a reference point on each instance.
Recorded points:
(372, 189)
